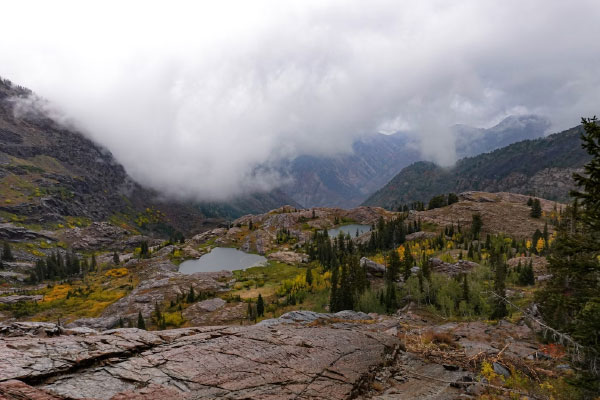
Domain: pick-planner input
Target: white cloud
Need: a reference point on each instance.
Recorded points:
(201, 98)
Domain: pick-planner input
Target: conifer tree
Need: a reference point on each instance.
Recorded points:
(7, 252)
(94, 264)
(334, 296)
(260, 306)
(309, 277)
(116, 258)
(141, 324)
(476, 225)
(408, 262)
(393, 269)
(465, 287)
(570, 300)
(157, 314)
(191, 297)
(500, 310)
(536, 209)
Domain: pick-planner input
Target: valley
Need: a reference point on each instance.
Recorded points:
(431, 290)
(134, 282)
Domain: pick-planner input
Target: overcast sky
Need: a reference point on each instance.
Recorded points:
(200, 98)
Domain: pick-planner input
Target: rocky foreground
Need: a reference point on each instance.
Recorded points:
(269, 360)
(301, 355)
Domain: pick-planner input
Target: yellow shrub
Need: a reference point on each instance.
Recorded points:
(173, 319)
(116, 272)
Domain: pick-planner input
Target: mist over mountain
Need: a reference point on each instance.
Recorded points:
(347, 180)
(541, 167)
(204, 101)
(51, 174)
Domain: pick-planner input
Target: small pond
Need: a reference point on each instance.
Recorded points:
(351, 229)
(222, 258)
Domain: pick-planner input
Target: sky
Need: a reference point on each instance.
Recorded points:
(203, 100)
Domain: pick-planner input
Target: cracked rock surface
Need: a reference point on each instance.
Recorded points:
(255, 362)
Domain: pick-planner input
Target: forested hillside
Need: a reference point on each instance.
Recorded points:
(541, 167)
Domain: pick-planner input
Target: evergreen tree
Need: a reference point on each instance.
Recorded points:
(116, 258)
(526, 276)
(500, 310)
(408, 262)
(536, 209)
(589, 182)
(476, 225)
(466, 294)
(7, 252)
(452, 198)
(191, 297)
(144, 250)
(334, 296)
(346, 298)
(570, 300)
(309, 277)
(394, 265)
(529, 202)
(157, 314)
(141, 324)
(121, 324)
(260, 306)
(94, 264)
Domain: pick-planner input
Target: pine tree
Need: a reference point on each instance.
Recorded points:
(7, 252)
(589, 182)
(570, 300)
(116, 258)
(393, 269)
(408, 262)
(94, 264)
(141, 324)
(260, 306)
(500, 310)
(191, 297)
(529, 202)
(157, 314)
(309, 277)
(476, 225)
(121, 324)
(334, 296)
(465, 287)
(536, 209)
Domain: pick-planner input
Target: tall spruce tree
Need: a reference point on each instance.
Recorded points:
(260, 306)
(499, 310)
(536, 209)
(7, 254)
(141, 324)
(570, 301)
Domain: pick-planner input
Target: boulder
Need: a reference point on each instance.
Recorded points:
(12, 299)
(372, 267)
(288, 257)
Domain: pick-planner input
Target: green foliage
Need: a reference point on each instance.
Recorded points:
(371, 301)
(260, 306)
(476, 225)
(7, 252)
(141, 324)
(570, 301)
(536, 209)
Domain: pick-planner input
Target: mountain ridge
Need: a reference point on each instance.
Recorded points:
(542, 167)
(348, 180)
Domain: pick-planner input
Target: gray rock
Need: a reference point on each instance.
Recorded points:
(254, 362)
(13, 299)
(372, 267)
(501, 369)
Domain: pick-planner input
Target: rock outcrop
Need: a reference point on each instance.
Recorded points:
(277, 361)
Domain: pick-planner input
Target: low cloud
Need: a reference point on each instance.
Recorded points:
(204, 102)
